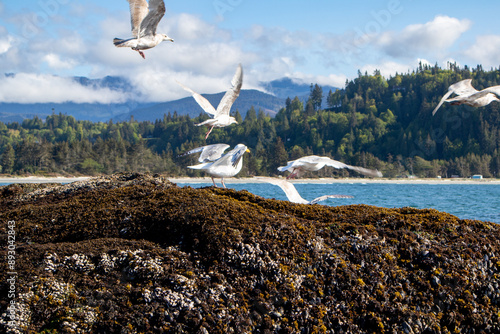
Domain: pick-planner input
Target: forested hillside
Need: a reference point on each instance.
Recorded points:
(373, 122)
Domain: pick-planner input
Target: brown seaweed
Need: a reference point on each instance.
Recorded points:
(135, 253)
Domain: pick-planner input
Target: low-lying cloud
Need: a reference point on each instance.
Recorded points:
(38, 88)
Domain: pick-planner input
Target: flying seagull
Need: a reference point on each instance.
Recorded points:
(314, 163)
(293, 195)
(227, 165)
(144, 22)
(208, 152)
(466, 94)
(220, 116)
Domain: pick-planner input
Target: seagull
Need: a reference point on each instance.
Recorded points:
(221, 116)
(208, 152)
(314, 163)
(227, 165)
(293, 195)
(469, 95)
(144, 22)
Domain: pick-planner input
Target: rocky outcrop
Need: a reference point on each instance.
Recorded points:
(132, 253)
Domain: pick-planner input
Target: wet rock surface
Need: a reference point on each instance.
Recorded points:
(132, 253)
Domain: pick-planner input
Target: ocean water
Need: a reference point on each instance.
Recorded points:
(466, 201)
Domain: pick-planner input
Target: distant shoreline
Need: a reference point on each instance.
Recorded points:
(194, 180)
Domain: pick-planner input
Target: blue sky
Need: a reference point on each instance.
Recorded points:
(45, 42)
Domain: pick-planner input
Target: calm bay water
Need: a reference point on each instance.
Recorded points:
(466, 201)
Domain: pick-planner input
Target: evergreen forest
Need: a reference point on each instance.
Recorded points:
(374, 122)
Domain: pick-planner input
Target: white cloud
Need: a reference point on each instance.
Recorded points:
(322, 80)
(432, 37)
(54, 61)
(5, 45)
(270, 39)
(37, 88)
(5, 40)
(187, 27)
(485, 51)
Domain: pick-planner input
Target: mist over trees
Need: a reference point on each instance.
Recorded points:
(373, 122)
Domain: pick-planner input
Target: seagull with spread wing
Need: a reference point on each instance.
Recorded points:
(144, 21)
(227, 165)
(466, 94)
(293, 195)
(220, 116)
(313, 163)
(208, 152)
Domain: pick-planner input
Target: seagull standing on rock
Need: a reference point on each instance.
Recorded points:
(313, 163)
(466, 94)
(144, 21)
(220, 116)
(227, 165)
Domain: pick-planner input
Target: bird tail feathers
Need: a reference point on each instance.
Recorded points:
(200, 166)
(118, 42)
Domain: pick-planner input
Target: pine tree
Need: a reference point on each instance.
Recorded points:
(8, 159)
(316, 96)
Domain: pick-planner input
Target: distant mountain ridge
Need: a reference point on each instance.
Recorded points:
(287, 87)
(188, 106)
(270, 102)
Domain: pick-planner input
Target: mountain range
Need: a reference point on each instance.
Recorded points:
(271, 100)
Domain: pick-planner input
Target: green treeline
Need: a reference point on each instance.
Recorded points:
(373, 122)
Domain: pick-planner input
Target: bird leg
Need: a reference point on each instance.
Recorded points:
(222, 181)
(142, 54)
(213, 180)
(211, 128)
(293, 174)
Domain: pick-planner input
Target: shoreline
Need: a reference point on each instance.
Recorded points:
(194, 180)
(344, 180)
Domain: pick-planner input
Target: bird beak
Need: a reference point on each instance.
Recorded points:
(247, 150)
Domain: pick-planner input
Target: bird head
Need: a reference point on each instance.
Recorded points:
(232, 120)
(166, 38)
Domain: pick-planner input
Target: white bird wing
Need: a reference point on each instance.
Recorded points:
(447, 95)
(205, 165)
(307, 163)
(203, 102)
(232, 94)
(233, 157)
(290, 191)
(208, 152)
(322, 198)
(494, 90)
(138, 11)
(287, 167)
(365, 171)
(237, 154)
(293, 195)
(150, 22)
(339, 165)
(325, 161)
(461, 88)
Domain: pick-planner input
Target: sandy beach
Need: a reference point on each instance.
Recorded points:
(35, 179)
(38, 179)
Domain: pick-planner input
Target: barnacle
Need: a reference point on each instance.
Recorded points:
(134, 252)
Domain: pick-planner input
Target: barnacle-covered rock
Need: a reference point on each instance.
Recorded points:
(135, 253)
